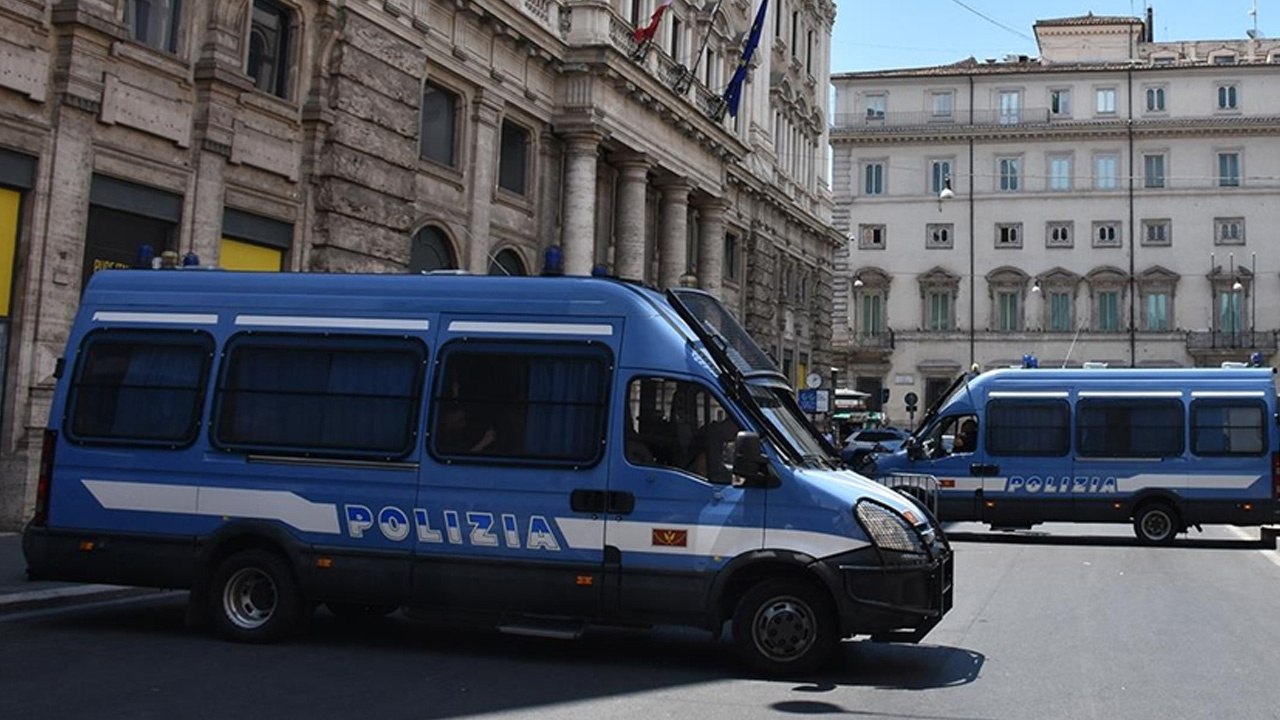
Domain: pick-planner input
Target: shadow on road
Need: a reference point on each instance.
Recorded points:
(1031, 537)
(430, 670)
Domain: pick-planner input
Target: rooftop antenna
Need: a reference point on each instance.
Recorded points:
(1253, 13)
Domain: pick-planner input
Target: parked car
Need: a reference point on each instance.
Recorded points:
(862, 444)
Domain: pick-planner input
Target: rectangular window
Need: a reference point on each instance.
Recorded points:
(1109, 311)
(1155, 99)
(1157, 312)
(1228, 231)
(1008, 312)
(1106, 98)
(1229, 169)
(940, 311)
(939, 175)
(1228, 427)
(1009, 235)
(876, 105)
(1060, 312)
(349, 396)
(1157, 232)
(1060, 172)
(676, 32)
(268, 62)
(513, 163)
(154, 22)
(439, 118)
(939, 235)
(871, 237)
(872, 315)
(521, 402)
(1060, 103)
(1010, 104)
(1105, 171)
(1106, 234)
(1129, 428)
(1153, 176)
(1059, 234)
(1230, 317)
(942, 104)
(1010, 171)
(731, 257)
(139, 387)
(1028, 427)
(1228, 97)
(873, 177)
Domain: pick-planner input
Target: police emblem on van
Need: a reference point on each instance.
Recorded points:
(670, 538)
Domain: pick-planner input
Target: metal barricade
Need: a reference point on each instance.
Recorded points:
(924, 488)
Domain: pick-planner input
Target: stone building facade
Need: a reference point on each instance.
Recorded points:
(405, 136)
(1107, 201)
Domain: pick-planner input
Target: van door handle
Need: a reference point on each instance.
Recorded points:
(587, 501)
(621, 503)
(983, 469)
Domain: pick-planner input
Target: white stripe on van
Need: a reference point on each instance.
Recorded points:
(1131, 393)
(1227, 393)
(156, 318)
(1027, 394)
(523, 328)
(1125, 485)
(701, 540)
(281, 505)
(344, 323)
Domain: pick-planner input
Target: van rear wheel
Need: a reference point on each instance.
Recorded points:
(784, 628)
(254, 598)
(1156, 523)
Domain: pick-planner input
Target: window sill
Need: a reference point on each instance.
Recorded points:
(444, 173)
(153, 59)
(271, 104)
(523, 203)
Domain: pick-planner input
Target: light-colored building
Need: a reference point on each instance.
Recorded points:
(405, 136)
(1110, 200)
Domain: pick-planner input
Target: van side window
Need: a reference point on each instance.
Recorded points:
(1228, 427)
(334, 396)
(140, 387)
(1028, 427)
(678, 424)
(1122, 427)
(532, 402)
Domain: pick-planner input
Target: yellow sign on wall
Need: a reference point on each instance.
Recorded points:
(240, 255)
(9, 201)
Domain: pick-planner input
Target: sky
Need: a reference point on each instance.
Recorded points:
(883, 34)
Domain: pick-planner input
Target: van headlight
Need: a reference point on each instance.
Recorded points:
(890, 532)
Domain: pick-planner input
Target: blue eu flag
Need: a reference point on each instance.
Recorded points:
(733, 93)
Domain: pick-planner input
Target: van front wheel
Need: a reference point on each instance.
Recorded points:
(1156, 523)
(784, 628)
(254, 598)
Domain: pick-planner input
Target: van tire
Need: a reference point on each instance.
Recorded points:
(1156, 523)
(784, 628)
(254, 598)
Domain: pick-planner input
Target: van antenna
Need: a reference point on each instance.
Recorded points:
(1074, 338)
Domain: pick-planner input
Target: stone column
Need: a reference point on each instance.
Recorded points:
(578, 236)
(673, 240)
(205, 208)
(484, 162)
(711, 245)
(633, 172)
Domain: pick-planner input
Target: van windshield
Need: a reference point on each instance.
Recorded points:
(783, 414)
(717, 324)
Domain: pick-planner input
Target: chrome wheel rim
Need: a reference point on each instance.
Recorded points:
(784, 628)
(249, 598)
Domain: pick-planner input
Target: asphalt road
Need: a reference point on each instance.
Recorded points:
(1074, 622)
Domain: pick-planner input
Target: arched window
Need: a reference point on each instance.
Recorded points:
(431, 251)
(507, 262)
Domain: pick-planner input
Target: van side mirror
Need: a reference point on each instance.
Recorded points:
(750, 464)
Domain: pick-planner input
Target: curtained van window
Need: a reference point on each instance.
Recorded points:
(341, 396)
(526, 402)
(1136, 428)
(1028, 427)
(139, 387)
(1228, 427)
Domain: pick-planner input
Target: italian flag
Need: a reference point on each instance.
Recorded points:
(645, 33)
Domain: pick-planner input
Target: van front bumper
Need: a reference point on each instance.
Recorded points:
(899, 603)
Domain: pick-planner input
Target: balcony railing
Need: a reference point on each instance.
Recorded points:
(1264, 340)
(1013, 118)
(882, 340)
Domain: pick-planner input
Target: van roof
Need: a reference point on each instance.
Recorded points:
(1121, 376)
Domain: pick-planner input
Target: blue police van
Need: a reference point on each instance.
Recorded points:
(1165, 449)
(542, 453)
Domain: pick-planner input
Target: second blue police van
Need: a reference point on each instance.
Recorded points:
(1164, 449)
(543, 453)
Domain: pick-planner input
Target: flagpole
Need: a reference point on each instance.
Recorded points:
(686, 78)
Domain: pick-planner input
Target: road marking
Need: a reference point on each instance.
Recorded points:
(1272, 554)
